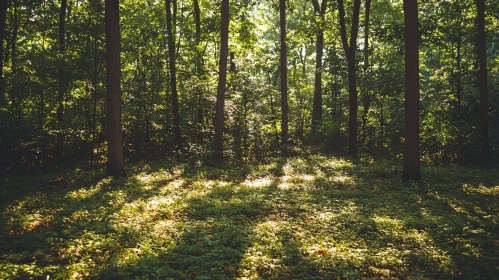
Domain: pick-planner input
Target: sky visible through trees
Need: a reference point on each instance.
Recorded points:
(338, 83)
(316, 139)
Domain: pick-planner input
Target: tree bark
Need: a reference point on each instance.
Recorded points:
(3, 17)
(62, 82)
(199, 68)
(317, 106)
(484, 107)
(173, 73)
(350, 50)
(367, 97)
(284, 74)
(115, 162)
(222, 80)
(411, 171)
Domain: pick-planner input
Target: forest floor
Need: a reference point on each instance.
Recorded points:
(307, 217)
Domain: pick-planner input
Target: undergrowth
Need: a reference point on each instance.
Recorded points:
(313, 217)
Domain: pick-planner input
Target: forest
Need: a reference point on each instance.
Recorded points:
(249, 139)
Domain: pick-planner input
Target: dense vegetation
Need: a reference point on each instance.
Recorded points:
(243, 139)
(53, 90)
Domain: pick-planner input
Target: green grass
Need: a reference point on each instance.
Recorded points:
(315, 217)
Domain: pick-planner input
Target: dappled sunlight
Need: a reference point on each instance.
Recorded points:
(257, 183)
(301, 218)
(481, 189)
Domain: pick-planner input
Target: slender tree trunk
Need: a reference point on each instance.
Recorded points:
(17, 96)
(3, 15)
(411, 169)
(199, 68)
(222, 80)
(367, 97)
(115, 162)
(350, 50)
(484, 106)
(173, 73)
(62, 74)
(284, 74)
(317, 106)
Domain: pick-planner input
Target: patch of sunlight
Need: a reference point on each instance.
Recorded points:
(387, 224)
(176, 184)
(84, 193)
(338, 163)
(481, 189)
(258, 183)
(35, 220)
(343, 179)
(287, 168)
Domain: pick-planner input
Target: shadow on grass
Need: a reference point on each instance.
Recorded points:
(304, 218)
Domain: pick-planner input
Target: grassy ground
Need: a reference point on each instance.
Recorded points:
(315, 217)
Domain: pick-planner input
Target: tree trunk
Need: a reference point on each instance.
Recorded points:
(352, 76)
(17, 96)
(173, 74)
(3, 16)
(62, 74)
(367, 97)
(199, 68)
(482, 54)
(284, 74)
(317, 106)
(115, 162)
(411, 169)
(222, 80)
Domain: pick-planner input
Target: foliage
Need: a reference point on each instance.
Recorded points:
(305, 217)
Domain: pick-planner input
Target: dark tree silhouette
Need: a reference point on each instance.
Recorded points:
(411, 169)
(115, 163)
(284, 74)
(222, 81)
(352, 76)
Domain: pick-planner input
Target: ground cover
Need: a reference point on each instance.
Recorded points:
(306, 217)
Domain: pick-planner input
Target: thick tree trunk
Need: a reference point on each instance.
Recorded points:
(3, 16)
(222, 80)
(317, 106)
(115, 162)
(484, 106)
(173, 74)
(284, 74)
(411, 169)
(62, 74)
(352, 76)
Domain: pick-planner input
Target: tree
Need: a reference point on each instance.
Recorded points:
(352, 76)
(284, 74)
(115, 162)
(62, 74)
(411, 171)
(173, 73)
(366, 98)
(482, 56)
(222, 80)
(317, 107)
(3, 16)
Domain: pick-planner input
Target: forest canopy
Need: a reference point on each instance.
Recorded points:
(53, 90)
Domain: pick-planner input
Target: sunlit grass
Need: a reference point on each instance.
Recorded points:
(317, 217)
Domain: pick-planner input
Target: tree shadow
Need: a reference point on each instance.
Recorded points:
(305, 218)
